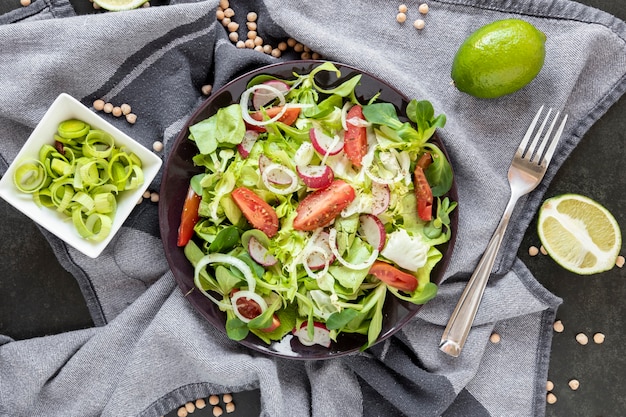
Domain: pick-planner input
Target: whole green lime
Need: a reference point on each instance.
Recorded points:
(499, 58)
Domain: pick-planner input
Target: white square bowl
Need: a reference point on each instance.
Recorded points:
(63, 108)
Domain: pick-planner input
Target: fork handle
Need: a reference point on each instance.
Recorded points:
(462, 317)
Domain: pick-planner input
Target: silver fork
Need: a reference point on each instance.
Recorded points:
(526, 172)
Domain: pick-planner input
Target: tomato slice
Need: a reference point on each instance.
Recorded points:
(425, 160)
(248, 308)
(189, 217)
(322, 206)
(289, 117)
(275, 324)
(424, 195)
(393, 277)
(355, 138)
(259, 214)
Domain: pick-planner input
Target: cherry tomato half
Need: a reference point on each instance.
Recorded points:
(259, 214)
(393, 277)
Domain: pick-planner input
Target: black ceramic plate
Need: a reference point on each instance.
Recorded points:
(179, 169)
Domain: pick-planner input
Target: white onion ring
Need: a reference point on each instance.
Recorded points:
(311, 250)
(250, 295)
(245, 99)
(281, 168)
(332, 240)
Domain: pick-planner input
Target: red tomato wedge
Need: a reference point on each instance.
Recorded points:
(322, 206)
(424, 195)
(259, 214)
(289, 117)
(275, 324)
(355, 138)
(189, 217)
(393, 277)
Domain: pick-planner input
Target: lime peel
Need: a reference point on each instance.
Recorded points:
(119, 5)
(579, 234)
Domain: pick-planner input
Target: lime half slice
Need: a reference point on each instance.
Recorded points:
(119, 5)
(579, 234)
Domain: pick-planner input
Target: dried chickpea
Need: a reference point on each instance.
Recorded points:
(558, 326)
(251, 25)
(226, 21)
(282, 46)
(117, 111)
(494, 338)
(219, 14)
(305, 55)
(233, 26)
(240, 44)
(252, 34)
(551, 398)
(190, 407)
(315, 55)
(258, 41)
(533, 251)
(276, 53)
(582, 338)
(291, 42)
(157, 146)
(267, 49)
(217, 411)
(206, 89)
(619, 262)
(419, 24)
(258, 48)
(251, 17)
(227, 398)
(131, 118)
(96, 6)
(25, 3)
(154, 197)
(598, 338)
(543, 250)
(224, 4)
(200, 403)
(574, 384)
(228, 12)
(125, 109)
(423, 8)
(549, 386)
(214, 400)
(230, 407)
(234, 37)
(249, 43)
(182, 412)
(146, 194)
(98, 105)
(108, 107)
(298, 47)
(139, 201)
(401, 17)
(402, 8)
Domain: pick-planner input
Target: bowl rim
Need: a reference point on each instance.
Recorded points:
(196, 299)
(66, 107)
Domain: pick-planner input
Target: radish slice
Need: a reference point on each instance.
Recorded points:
(324, 144)
(314, 255)
(332, 241)
(318, 254)
(262, 96)
(321, 335)
(316, 176)
(260, 254)
(273, 173)
(247, 143)
(229, 260)
(373, 230)
(304, 154)
(380, 197)
(250, 295)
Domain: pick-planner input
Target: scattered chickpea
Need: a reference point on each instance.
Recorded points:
(125, 109)
(108, 107)
(267, 49)
(233, 36)
(182, 412)
(25, 3)
(276, 53)
(252, 34)
(230, 407)
(131, 118)
(190, 407)
(402, 8)
(533, 251)
(574, 384)
(98, 105)
(139, 201)
(157, 146)
(258, 41)
(217, 411)
(619, 262)
(228, 12)
(146, 194)
(214, 400)
(233, 26)
(298, 47)
(315, 55)
(226, 21)
(401, 17)
(206, 89)
(227, 398)
(551, 398)
(291, 42)
(549, 385)
(582, 338)
(200, 403)
(154, 197)
(96, 6)
(240, 44)
(249, 43)
(543, 250)
(219, 14)
(282, 46)
(117, 111)
(224, 4)
(258, 48)
(598, 338)
(419, 24)
(494, 338)
(423, 8)
(251, 17)
(558, 326)
(251, 25)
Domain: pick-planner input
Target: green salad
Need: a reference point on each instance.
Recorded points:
(313, 207)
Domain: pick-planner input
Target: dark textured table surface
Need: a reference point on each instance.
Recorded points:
(38, 297)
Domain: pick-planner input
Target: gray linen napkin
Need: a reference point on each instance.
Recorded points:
(151, 352)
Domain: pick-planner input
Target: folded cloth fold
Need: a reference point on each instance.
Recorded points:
(150, 351)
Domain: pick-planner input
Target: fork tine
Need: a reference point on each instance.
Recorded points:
(522, 146)
(546, 139)
(531, 153)
(548, 156)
